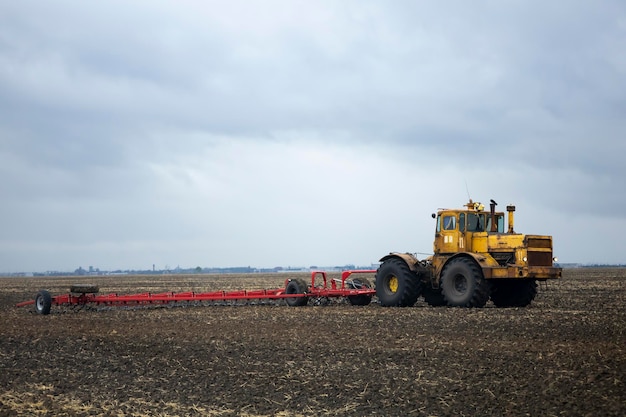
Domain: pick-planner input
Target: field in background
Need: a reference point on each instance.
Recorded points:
(564, 355)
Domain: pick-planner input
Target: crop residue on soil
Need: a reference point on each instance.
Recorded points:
(563, 355)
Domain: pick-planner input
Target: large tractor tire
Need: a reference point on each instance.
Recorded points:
(396, 285)
(296, 286)
(43, 302)
(463, 284)
(360, 284)
(513, 292)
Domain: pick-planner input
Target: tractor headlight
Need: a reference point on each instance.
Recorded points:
(525, 259)
(555, 259)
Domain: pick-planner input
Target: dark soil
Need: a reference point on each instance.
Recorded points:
(565, 355)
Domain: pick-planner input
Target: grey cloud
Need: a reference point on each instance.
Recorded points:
(99, 102)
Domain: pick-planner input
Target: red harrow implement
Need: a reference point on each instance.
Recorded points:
(296, 292)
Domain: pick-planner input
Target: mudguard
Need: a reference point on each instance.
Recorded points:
(483, 260)
(408, 258)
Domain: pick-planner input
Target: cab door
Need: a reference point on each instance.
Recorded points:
(447, 233)
(465, 236)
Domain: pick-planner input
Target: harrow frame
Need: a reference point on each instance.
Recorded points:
(86, 294)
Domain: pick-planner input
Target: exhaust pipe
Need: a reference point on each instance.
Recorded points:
(510, 209)
(492, 207)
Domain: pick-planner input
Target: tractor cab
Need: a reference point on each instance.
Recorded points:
(456, 228)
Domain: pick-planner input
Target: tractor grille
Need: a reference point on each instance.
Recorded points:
(538, 242)
(539, 250)
(539, 258)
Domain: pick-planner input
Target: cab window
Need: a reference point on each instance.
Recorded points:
(449, 222)
(475, 222)
(499, 223)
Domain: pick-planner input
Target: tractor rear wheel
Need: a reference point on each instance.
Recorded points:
(463, 284)
(296, 286)
(43, 302)
(513, 293)
(396, 285)
(359, 284)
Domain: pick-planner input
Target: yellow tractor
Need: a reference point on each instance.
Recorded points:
(475, 259)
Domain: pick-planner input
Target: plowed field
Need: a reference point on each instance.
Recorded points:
(565, 355)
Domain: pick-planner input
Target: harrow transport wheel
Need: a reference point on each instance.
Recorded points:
(513, 292)
(396, 285)
(43, 302)
(360, 284)
(463, 284)
(84, 289)
(296, 286)
(433, 296)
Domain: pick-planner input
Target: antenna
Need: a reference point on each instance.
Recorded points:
(468, 193)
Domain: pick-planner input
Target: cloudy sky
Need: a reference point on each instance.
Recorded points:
(297, 133)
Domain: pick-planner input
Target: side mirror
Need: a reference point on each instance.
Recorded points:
(433, 215)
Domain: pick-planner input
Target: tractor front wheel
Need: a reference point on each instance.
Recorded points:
(396, 285)
(463, 284)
